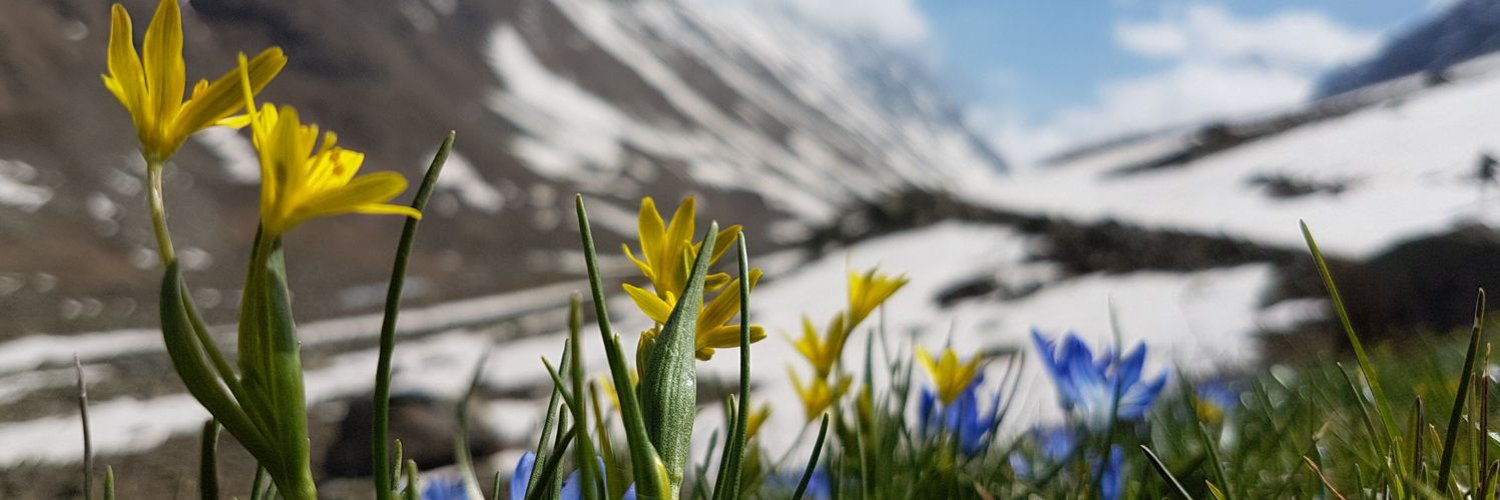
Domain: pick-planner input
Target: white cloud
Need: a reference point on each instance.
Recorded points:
(1296, 38)
(1220, 65)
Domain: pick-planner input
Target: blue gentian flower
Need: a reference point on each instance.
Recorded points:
(1057, 443)
(572, 487)
(963, 418)
(444, 488)
(1217, 398)
(819, 486)
(1088, 386)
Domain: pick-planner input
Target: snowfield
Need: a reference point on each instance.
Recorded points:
(1194, 321)
(1408, 166)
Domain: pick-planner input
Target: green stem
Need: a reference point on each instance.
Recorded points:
(159, 211)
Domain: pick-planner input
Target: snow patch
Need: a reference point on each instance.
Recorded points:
(16, 189)
(460, 176)
(234, 151)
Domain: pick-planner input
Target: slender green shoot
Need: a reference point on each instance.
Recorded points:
(382, 433)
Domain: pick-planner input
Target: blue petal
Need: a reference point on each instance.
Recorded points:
(1142, 397)
(630, 493)
(926, 411)
(1058, 443)
(572, 488)
(1048, 350)
(1129, 370)
(1019, 464)
(444, 488)
(522, 476)
(1113, 484)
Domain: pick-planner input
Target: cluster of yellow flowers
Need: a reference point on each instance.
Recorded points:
(667, 251)
(299, 179)
(823, 351)
(950, 375)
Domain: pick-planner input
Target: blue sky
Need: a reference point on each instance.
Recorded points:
(1043, 75)
(1040, 75)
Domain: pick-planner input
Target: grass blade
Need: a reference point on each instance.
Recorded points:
(461, 453)
(384, 481)
(812, 462)
(1383, 406)
(88, 439)
(584, 456)
(650, 473)
(727, 485)
(549, 428)
(1166, 475)
(1445, 467)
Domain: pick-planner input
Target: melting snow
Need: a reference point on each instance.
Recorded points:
(16, 189)
(1410, 164)
(234, 151)
(461, 177)
(1196, 319)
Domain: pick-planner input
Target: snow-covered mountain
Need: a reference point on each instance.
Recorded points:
(776, 123)
(1461, 31)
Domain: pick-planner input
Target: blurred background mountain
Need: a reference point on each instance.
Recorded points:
(775, 125)
(1167, 200)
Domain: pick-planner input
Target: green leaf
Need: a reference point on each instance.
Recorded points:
(208, 469)
(383, 475)
(669, 388)
(109, 483)
(191, 367)
(289, 397)
(727, 484)
(650, 472)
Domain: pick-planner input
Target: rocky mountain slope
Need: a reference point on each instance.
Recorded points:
(776, 125)
(1461, 31)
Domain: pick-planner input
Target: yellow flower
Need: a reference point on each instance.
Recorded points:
(758, 416)
(667, 250)
(301, 179)
(823, 351)
(712, 331)
(867, 291)
(151, 85)
(818, 396)
(949, 375)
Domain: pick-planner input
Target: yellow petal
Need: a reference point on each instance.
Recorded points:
(927, 363)
(652, 232)
(639, 264)
(165, 72)
(129, 82)
(365, 194)
(728, 336)
(725, 240)
(715, 281)
(725, 305)
(216, 101)
(655, 308)
(236, 121)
